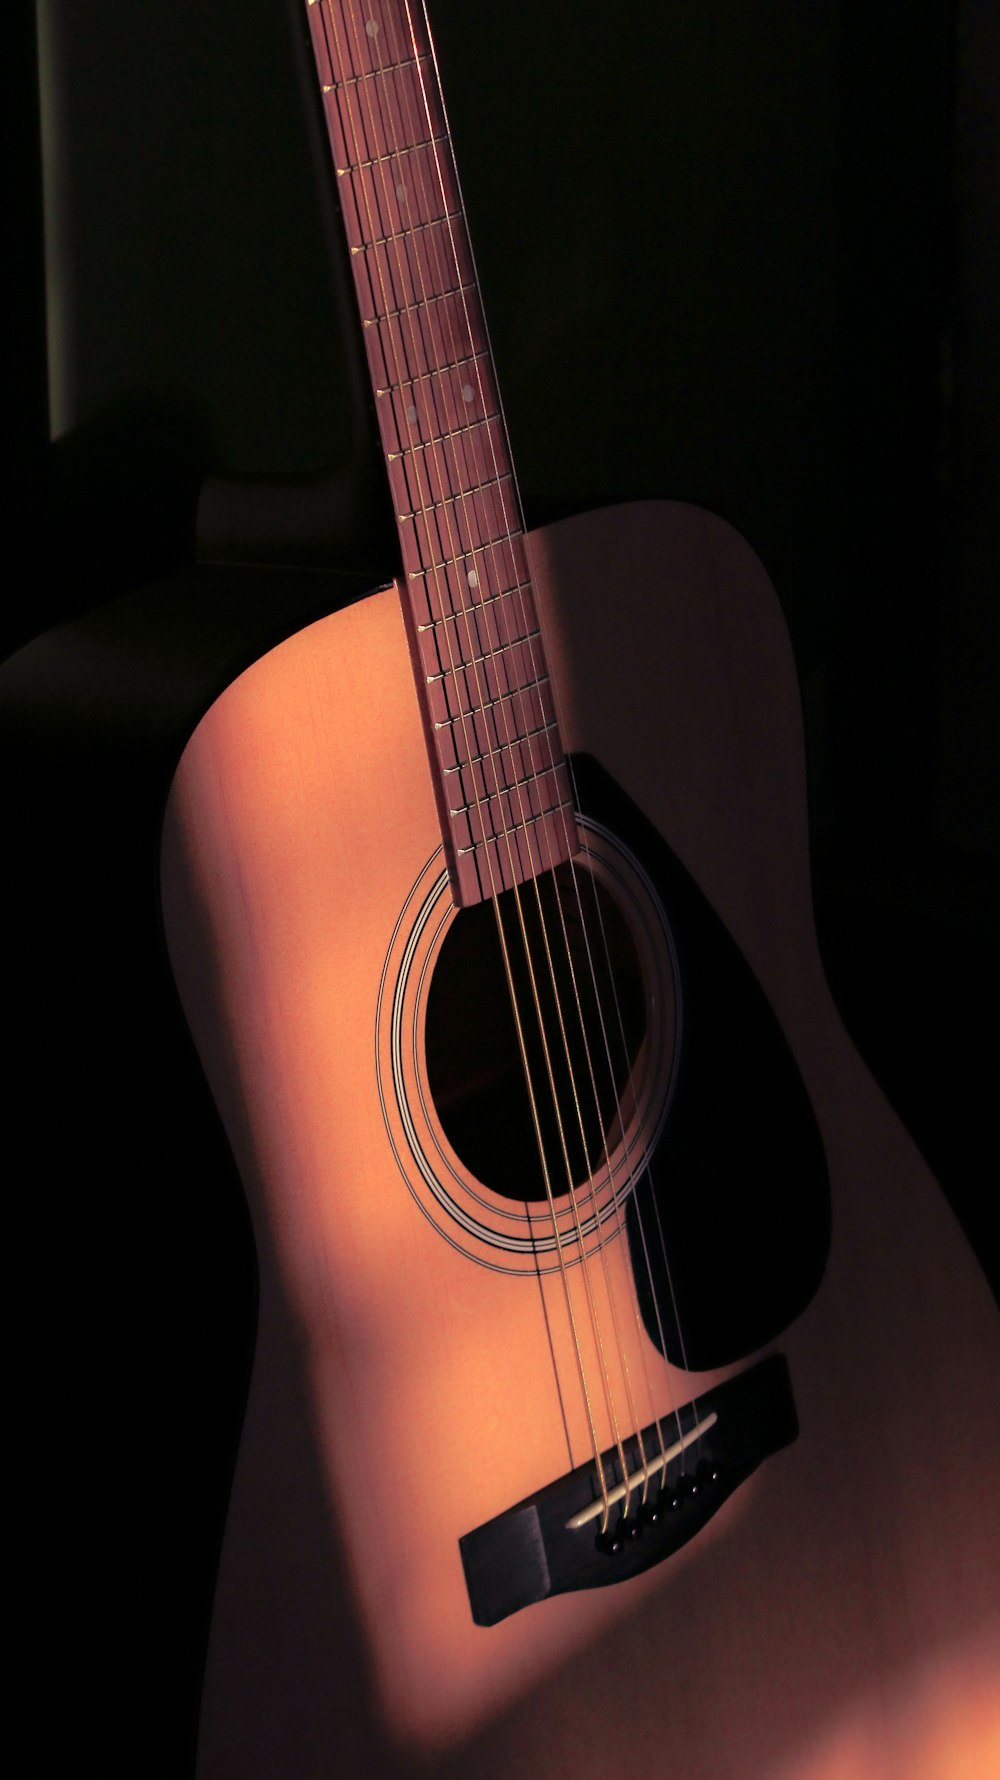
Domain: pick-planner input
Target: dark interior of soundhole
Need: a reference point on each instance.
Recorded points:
(590, 1005)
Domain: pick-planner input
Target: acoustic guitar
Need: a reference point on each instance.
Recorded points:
(624, 1399)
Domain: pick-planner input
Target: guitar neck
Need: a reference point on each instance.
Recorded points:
(497, 762)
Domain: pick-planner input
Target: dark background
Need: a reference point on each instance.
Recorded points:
(734, 255)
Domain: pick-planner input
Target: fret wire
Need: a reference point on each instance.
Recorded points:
(454, 562)
(425, 272)
(490, 655)
(395, 154)
(447, 678)
(464, 611)
(508, 642)
(422, 305)
(363, 53)
(522, 758)
(456, 433)
(526, 735)
(479, 525)
(414, 545)
(465, 822)
(459, 559)
(461, 609)
(488, 704)
(526, 822)
(353, 80)
(433, 222)
(532, 778)
(514, 785)
(470, 467)
(418, 354)
(391, 389)
(450, 499)
(363, 126)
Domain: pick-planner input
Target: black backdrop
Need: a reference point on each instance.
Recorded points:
(730, 255)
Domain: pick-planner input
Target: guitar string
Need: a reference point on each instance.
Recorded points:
(632, 1283)
(642, 1348)
(543, 842)
(646, 1169)
(462, 499)
(341, 64)
(632, 1177)
(587, 942)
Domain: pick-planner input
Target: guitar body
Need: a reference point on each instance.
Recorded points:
(414, 1373)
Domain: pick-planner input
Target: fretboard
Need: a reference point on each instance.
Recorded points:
(498, 766)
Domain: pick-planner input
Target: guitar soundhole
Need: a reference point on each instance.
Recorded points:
(583, 989)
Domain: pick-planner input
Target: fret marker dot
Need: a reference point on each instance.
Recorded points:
(472, 578)
(372, 28)
(401, 193)
(411, 412)
(468, 393)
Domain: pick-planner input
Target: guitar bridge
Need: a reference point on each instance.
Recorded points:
(563, 1537)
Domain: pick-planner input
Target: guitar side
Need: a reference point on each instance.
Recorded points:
(842, 1608)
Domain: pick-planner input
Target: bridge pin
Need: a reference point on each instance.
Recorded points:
(612, 1542)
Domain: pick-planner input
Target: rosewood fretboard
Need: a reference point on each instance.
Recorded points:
(498, 766)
